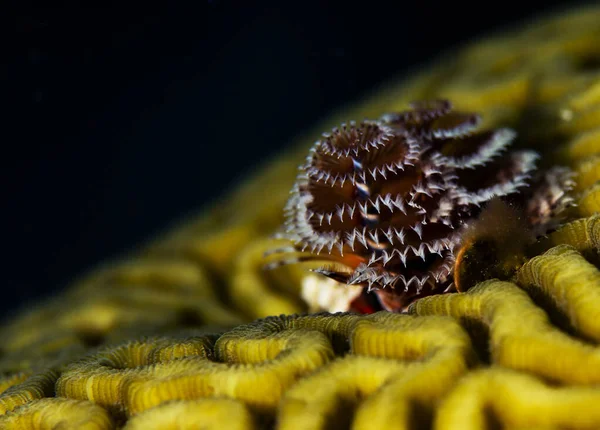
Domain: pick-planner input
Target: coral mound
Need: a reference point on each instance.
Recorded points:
(192, 331)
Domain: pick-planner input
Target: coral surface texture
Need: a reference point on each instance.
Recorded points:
(191, 331)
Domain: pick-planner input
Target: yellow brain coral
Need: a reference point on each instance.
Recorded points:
(165, 338)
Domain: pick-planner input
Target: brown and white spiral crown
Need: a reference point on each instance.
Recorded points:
(387, 202)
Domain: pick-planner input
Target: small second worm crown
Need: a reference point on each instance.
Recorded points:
(386, 202)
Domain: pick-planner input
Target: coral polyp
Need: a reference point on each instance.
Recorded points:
(388, 203)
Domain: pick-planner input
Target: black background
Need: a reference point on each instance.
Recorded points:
(118, 120)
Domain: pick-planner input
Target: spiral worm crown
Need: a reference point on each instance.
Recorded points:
(387, 202)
